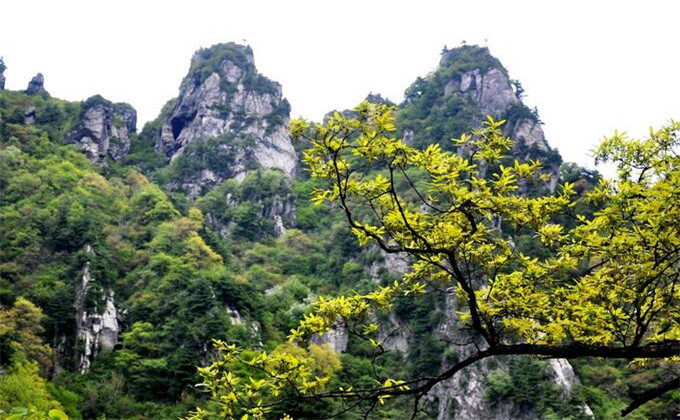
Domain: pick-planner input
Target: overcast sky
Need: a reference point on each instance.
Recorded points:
(589, 67)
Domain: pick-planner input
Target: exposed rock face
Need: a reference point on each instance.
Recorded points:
(490, 89)
(94, 331)
(281, 209)
(565, 378)
(59, 351)
(531, 133)
(29, 116)
(395, 264)
(337, 337)
(104, 129)
(493, 93)
(408, 137)
(37, 86)
(395, 334)
(2, 74)
(278, 208)
(237, 319)
(463, 396)
(239, 114)
(563, 375)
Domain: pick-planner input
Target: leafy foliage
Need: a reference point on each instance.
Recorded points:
(249, 203)
(53, 205)
(432, 115)
(20, 329)
(591, 297)
(540, 273)
(23, 386)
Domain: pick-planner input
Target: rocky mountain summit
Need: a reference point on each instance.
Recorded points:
(2, 73)
(227, 120)
(468, 85)
(104, 129)
(36, 86)
(496, 95)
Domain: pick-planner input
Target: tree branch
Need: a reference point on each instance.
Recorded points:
(649, 395)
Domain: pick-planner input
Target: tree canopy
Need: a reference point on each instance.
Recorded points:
(603, 284)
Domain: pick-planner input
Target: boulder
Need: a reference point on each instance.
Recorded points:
(29, 115)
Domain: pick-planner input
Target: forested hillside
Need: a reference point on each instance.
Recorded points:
(124, 254)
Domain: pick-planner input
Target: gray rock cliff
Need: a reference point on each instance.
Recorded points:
(280, 209)
(492, 91)
(227, 120)
(337, 337)
(2, 73)
(104, 130)
(255, 329)
(95, 330)
(29, 115)
(468, 85)
(464, 395)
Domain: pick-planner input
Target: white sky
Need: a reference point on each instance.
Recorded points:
(589, 67)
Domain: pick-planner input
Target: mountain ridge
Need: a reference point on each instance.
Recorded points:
(141, 247)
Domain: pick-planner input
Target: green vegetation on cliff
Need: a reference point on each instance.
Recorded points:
(243, 261)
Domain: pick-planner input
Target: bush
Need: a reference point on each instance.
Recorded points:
(23, 386)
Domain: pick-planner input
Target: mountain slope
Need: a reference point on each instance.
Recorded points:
(141, 248)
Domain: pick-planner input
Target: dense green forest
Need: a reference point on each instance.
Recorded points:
(123, 255)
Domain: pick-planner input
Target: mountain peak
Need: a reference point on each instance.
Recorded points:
(229, 60)
(468, 85)
(37, 86)
(227, 119)
(469, 57)
(104, 129)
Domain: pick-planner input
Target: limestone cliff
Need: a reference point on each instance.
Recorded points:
(228, 119)
(104, 129)
(2, 73)
(337, 337)
(464, 396)
(95, 330)
(493, 92)
(468, 85)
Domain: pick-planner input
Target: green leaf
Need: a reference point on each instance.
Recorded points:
(57, 415)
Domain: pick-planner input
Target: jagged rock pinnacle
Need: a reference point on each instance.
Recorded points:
(37, 86)
(229, 118)
(2, 73)
(104, 129)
